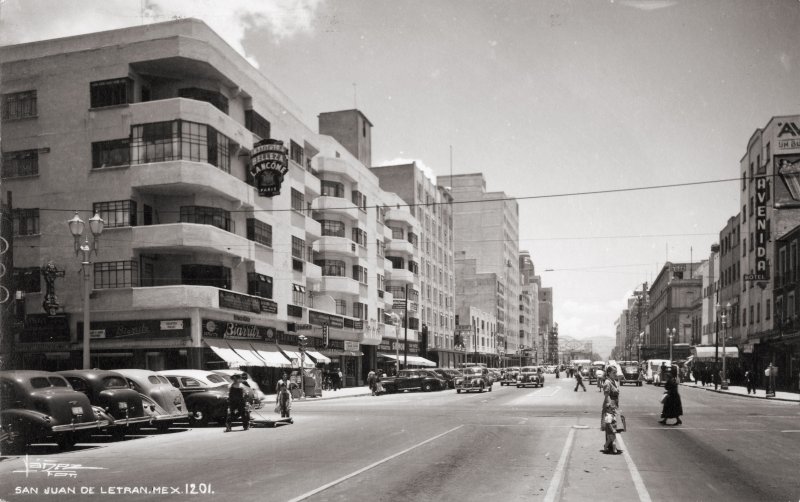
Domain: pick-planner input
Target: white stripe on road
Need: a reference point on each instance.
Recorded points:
(370, 466)
(644, 495)
(558, 476)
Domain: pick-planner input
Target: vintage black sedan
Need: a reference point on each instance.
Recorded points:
(474, 378)
(110, 391)
(37, 406)
(448, 375)
(425, 380)
(530, 375)
(162, 402)
(205, 392)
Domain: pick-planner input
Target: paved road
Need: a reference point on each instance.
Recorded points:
(510, 444)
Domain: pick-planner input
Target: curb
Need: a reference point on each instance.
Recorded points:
(751, 396)
(319, 399)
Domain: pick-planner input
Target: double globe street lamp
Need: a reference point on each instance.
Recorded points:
(76, 228)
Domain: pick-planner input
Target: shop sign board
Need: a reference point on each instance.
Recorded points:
(143, 329)
(352, 346)
(321, 319)
(45, 328)
(268, 165)
(788, 135)
(761, 235)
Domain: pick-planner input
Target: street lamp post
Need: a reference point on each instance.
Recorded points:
(670, 335)
(301, 344)
(724, 335)
(76, 228)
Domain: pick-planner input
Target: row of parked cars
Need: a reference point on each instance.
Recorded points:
(473, 378)
(66, 406)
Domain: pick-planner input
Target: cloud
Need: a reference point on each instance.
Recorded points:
(31, 20)
(648, 4)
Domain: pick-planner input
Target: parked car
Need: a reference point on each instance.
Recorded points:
(448, 375)
(205, 392)
(630, 373)
(425, 380)
(495, 375)
(474, 378)
(110, 391)
(530, 375)
(163, 403)
(37, 406)
(510, 376)
(254, 395)
(596, 371)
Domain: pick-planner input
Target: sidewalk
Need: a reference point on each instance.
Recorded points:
(742, 391)
(336, 394)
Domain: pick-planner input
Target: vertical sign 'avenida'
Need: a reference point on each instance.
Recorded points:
(268, 165)
(761, 274)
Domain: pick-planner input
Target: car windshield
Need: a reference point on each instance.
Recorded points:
(57, 382)
(42, 382)
(529, 369)
(473, 371)
(153, 379)
(218, 379)
(114, 382)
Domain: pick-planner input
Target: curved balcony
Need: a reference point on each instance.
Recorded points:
(188, 178)
(313, 229)
(341, 246)
(313, 273)
(402, 215)
(399, 246)
(400, 275)
(340, 285)
(338, 166)
(335, 205)
(193, 237)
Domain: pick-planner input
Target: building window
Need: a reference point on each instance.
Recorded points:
(115, 152)
(260, 232)
(298, 294)
(397, 232)
(298, 201)
(19, 105)
(214, 98)
(20, 163)
(117, 91)
(118, 213)
(360, 200)
(744, 247)
(397, 262)
(27, 280)
(26, 221)
(298, 245)
(341, 307)
(116, 274)
(180, 140)
(359, 237)
(360, 274)
(259, 285)
(296, 153)
(413, 267)
(256, 124)
(335, 268)
(206, 275)
(381, 247)
(359, 310)
(332, 188)
(332, 228)
(203, 215)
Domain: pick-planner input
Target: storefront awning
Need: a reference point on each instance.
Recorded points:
(317, 357)
(415, 360)
(246, 352)
(295, 358)
(710, 353)
(273, 358)
(340, 353)
(224, 351)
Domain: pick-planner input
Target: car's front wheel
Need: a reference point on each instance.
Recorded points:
(427, 387)
(458, 391)
(13, 438)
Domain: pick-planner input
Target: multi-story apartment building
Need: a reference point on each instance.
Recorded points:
(487, 228)
(674, 291)
(729, 281)
(152, 129)
(528, 308)
(474, 290)
(431, 205)
(782, 347)
(480, 340)
(545, 311)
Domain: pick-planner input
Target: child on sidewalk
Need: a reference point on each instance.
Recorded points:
(610, 421)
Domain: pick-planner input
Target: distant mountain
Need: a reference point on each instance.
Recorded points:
(602, 345)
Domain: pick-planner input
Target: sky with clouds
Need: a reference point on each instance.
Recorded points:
(549, 99)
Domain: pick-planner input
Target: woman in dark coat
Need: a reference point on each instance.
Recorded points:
(673, 408)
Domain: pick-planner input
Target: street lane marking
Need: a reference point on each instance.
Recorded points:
(644, 495)
(370, 466)
(558, 476)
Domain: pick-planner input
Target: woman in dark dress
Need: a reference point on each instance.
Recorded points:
(673, 408)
